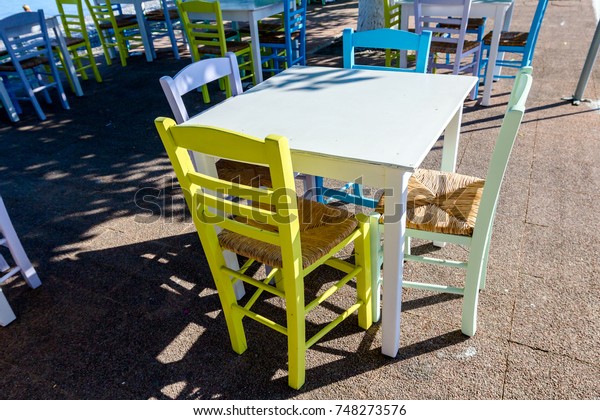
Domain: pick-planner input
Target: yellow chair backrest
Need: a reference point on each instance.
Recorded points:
(208, 30)
(209, 198)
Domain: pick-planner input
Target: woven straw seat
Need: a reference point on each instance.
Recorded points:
(229, 33)
(244, 173)
(442, 202)
(446, 48)
(232, 46)
(277, 37)
(472, 25)
(122, 21)
(159, 15)
(508, 39)
(25, 64)
(322, 227)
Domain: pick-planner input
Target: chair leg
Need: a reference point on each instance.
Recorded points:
(16, 249)
(377, 260)
(6, 313)
(362, 256)
(296, 329)
(471, 291)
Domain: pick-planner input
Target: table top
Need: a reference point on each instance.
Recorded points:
(374, 117)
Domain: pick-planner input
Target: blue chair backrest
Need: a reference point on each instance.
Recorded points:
(534, 32)
(295, 21)
(386, 38)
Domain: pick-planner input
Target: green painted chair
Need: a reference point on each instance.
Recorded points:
(459, 209)
(207, 37)
(77, 39)
(115, 30)
(391, 20)
(294, 237)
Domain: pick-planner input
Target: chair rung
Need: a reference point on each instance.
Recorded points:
(433, 287)
(10, 274)
(325, 295)
(437, 261)
(341, 265)
(263, 320)
(256, 283)
(333, 324)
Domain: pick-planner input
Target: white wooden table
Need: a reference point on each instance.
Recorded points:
(499, 10)
(376, 125)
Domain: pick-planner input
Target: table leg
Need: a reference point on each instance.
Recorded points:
(489, 79)
(145, 31)
(393, 257)
(450, 150)
(451, 138)
(254, 36)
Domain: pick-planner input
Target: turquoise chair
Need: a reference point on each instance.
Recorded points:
(391, 40)
(459, 209)
(520, 43)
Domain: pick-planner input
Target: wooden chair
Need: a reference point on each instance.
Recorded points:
(116, 30)
(449, 35)
(164, 20)
(7, 102)
(391, 40)
(459, 209)
(282, 50)
(77, 39)
(198, 75)
(205, 32)
(31, 59)
(10, 240)
(292, 236)
(520, 43)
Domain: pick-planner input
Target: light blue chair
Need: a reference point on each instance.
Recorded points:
(281, 50)
(521, 43)
(388, 39)
(459, 209)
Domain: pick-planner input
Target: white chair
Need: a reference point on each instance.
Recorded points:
(198, 75)
(9, 239)
(25, 37)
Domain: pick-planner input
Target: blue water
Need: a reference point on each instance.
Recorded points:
(9, 7)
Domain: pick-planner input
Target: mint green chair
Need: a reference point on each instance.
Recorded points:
(294, 237)
(459, 209)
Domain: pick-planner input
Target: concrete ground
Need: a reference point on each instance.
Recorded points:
(128, 309)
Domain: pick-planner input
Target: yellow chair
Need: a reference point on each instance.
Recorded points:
(115, 30)
(77, 39)
(207, 36)
(293, 237)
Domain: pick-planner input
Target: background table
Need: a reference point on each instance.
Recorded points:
(376, 125)
(251, 11)
(499, 10)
